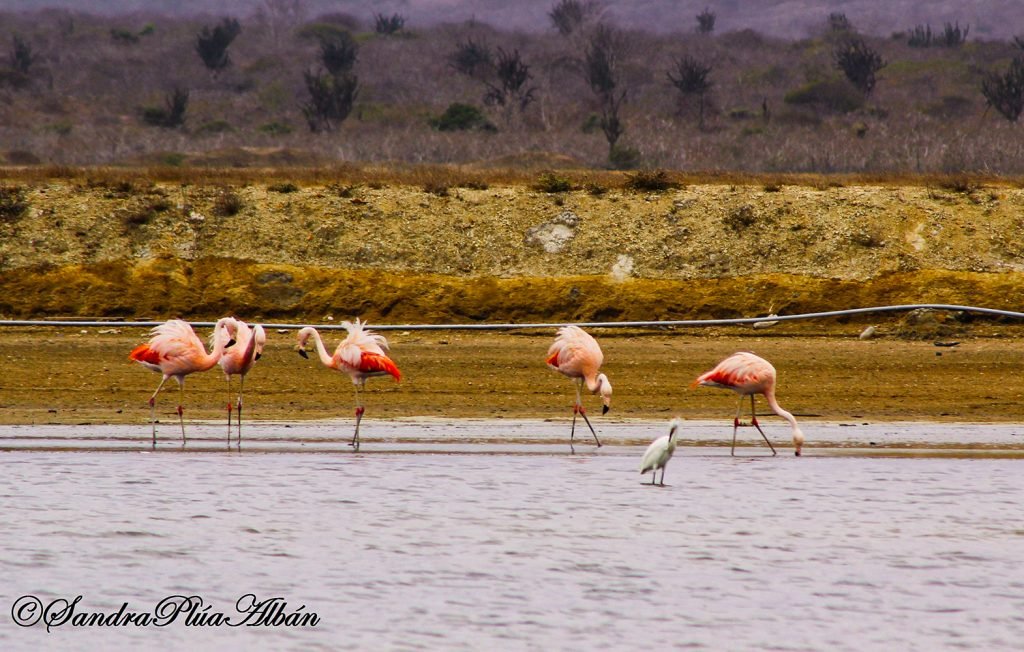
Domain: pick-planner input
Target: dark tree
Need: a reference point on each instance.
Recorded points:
(859, 62)
(691, 78)
(568, 16)
(472, 59)
(510, 89)
(212, 44)
(21, 55)
(706, 21)
(838, 22)
(1019, 41)
(173, 113)
(388, 25)
(338, 53)
(953, 36)
(600, 68)
(1005, 92)
(920, 36)
(330, 100)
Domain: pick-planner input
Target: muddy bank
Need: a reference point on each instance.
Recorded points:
(511, 252)
(73, 375)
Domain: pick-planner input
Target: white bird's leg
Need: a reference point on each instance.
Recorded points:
(229, 410)
(736, 425)
(753, 420)
(359, 417)
(241, 383)
(181, 410)
(663, 475)
(152, 407)
(654, 476)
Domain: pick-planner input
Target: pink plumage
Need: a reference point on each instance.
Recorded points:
(576, 355)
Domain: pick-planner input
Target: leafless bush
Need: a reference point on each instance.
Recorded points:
(920, 36)
(602, 73)
(12, 203)
(1005, 91)
(172, 114)
(338, 54)
(330, 100)
(227, 203)
(953, 36)
(691, 78)
(510, 90)
(472, 59)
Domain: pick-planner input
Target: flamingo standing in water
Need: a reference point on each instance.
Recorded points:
(747, 374)
(660, 452)
(577, 355)
(239, 359)
(361, 355)
(175, 351)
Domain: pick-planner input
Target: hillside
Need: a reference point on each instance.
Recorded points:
(502, 251)
(775, 104)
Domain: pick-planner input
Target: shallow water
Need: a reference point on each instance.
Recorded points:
(489, 535)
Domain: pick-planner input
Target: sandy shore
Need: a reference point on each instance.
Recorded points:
(83, 376)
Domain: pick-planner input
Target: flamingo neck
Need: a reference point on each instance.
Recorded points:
(593, 383)
(321, 350)
(250, 347)
(778, 409)
(219, 344)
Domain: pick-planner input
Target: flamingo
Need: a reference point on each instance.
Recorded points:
(660, 452)
(175, 351)
(239, 359)
(361, 355)
(747, 375)
(577, 355)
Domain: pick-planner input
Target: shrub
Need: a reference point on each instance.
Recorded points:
(1005, 92)
(12, 203)
(472, 59)
(511, 89)
(920, 36)
(21, 56)
(283, 187)
(568, 16)
(691, 78)
(123, 36)
(331, 100)
(741, 218)
(623, 157)
(952, 36)
(550, 182)
(650, 181)
(212, 44)
(276, 128)
(706, 21)
(172, 114)
(227, 203)
(339, 53)
(215, 127)
(839, 23)
(859, 62)
(438, 188)
(832, 94)
(462, 117)
(388, 25)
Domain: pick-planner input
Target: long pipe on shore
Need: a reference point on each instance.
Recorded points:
(592, 324)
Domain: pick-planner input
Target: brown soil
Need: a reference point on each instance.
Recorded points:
(72, 376)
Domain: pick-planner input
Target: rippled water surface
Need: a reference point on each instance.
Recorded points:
(488, 546)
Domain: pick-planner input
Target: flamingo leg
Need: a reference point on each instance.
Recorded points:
(359, 417)
(575, 411)
(229, 410)
(583, 413)
(736, 425)
(241, 383)
(753, 420)
(181, 410)
(152, 407)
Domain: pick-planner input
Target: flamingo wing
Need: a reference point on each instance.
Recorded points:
(574, 352)
(372, 363)
(744, 372)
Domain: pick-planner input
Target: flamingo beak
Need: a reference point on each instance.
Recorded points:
(303, 353)
(258, 356)
(797, 453)
(230, 343)
(604, 409)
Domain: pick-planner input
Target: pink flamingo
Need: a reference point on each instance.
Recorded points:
(577, 355)
(239, 359)
(175, 351)
(747, 374)
(362, 354)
